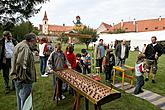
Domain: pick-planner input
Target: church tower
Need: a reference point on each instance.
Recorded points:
(45, 24)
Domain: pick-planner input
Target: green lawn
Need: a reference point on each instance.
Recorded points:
(43, 92)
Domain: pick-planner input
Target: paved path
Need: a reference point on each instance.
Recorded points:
(152, 97)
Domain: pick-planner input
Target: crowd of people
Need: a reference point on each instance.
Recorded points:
(23, 70)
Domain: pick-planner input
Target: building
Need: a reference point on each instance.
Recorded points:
(103, 27)
(55, 30)
(135, 26)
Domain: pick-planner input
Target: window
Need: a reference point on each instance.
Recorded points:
(163, 27)
(126, 28)
(156, 27)
(146, 28)
(45, 22)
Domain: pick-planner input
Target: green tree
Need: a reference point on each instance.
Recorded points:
(21, 29)
(87, 31)
(62, 38)
(13, 11)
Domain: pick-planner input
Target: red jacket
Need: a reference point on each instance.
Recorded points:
(71, 59)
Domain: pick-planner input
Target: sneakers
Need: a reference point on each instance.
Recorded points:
(62, 97)
(146, 79)
(45, 75)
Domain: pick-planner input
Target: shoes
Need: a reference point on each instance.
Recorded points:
(153, 81)
(7, 90)
(62, 97)
(44, 75)
(141, 91)
(146, 79)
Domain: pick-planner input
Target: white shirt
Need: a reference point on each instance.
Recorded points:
(122, 51)
(139, 69)
(41, 49)
(9, 48)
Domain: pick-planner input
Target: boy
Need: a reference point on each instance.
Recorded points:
(139, 72)
(85, 61)
(57, 61)
(78, 60)
(108, 63)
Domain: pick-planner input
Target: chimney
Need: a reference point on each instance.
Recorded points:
(122, 23)
(134, 21)
(160, 18)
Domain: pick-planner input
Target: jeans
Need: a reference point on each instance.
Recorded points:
(54, 86)
(108, 72)
(43, 63)
(86, 68)
(22, 93)
(120, 62)
(139, 84)
(6, 68)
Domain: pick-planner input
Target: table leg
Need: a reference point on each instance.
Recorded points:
(86, 104)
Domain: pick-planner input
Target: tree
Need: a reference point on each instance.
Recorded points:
(13, 11)
(88, 31)
(21, 29)
(62, 38)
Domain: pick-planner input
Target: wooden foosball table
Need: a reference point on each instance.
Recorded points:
(92, 90)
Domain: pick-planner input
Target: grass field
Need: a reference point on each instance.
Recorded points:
(43, 92)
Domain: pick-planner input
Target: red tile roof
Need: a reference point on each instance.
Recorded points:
(107, 26)
(58, 28)
(141, 25)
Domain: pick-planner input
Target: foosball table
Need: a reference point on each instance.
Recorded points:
(92, 90)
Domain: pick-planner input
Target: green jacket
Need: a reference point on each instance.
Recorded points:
(23, 66)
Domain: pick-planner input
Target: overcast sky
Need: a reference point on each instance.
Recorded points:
(93, 12)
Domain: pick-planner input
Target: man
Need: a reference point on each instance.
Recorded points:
(24, 72)
(121, 52)
(7, 44)
(152, 53)
(99, 52)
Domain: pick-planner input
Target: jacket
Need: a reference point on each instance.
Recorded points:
(109, 60)
(71, 59)
(118, 51)
(151, 51)
(23, 65)
(56, 61)
(2, 49)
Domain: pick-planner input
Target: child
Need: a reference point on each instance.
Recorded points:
(108, 63)
(85, 61)
(56, 61)
(139, 72)
(78, 59)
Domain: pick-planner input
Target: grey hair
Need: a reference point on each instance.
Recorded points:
(30, 37)
(7, 33)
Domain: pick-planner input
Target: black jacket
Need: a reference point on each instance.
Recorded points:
(110, 60)
(2, 49)
(118, 51)
(151, 51)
